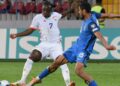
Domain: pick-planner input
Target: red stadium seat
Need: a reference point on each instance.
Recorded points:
(58, 7)
(17, 7)
(13, 8)
(39, 8)
(65, 5)
(30, 7)
(5, 6)
(21, 7)
(2, 8)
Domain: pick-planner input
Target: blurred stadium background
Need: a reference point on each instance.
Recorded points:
(16, 16)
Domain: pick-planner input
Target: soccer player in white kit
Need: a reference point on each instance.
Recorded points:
(50, 45)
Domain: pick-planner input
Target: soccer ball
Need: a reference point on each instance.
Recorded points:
(4, 83)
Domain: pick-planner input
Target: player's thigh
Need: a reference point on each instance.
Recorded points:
(70, 55)
(83, 57)
(60, 60)
(79, 68)
(56, 51)
(57, 63)
(44, 49)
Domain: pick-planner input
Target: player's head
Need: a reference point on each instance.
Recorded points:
(84, 9)
(46, 8)
(80, 1)
(98, 1)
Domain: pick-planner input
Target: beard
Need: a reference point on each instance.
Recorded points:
(81, 17)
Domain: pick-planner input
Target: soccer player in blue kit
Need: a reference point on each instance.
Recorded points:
(80, 51)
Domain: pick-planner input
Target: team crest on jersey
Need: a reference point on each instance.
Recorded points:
(81, 55)
(93, 26)
(54, 17)
(44, 20)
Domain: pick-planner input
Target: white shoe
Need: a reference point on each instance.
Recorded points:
(18, 83)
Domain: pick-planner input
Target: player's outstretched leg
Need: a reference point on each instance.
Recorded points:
(26, 70)
(81, 73)
(52, 68)
(66, 74)
(34, 57)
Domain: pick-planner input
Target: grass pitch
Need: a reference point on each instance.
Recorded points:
(105, 74)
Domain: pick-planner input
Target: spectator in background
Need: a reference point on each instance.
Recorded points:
(91, 2)
(30, 7)
(5, 6)
(65, 7)
(99, 9)
(8, 4)
(1, 2)
(54, 1)
(75, 7)
(58, 7)
(20, 7)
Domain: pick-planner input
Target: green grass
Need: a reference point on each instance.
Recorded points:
(106, 74)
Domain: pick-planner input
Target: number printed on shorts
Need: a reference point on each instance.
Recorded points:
(51, 24)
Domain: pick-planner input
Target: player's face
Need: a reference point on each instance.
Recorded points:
(81, 12)
(46, 10)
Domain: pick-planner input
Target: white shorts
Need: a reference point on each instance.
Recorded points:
(52, 50)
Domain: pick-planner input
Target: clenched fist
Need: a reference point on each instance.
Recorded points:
(111, 47)
(13, 36)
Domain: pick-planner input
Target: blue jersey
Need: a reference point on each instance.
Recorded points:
(97, 15)
(81, 49)
(87, 38)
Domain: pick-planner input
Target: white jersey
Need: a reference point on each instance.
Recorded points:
(48, 27)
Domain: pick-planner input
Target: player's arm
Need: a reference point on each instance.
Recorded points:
(24, 33)
(31, 29)
(96, 30)
(104, 42)
(105, 15)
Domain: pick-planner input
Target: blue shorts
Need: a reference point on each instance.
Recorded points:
(74, 55)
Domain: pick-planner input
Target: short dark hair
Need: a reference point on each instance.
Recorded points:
(46, 2)
(99, 1)
(86, 6)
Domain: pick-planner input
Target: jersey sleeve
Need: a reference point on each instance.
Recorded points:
(58, 15)
(98, 15)
(94, 27)
(34, 23)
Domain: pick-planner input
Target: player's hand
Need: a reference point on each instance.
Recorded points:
(13, 36)
(111, 47)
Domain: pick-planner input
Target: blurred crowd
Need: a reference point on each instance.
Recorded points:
(25, 7)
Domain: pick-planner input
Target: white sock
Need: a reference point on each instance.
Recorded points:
(26, 70)
(66, 74)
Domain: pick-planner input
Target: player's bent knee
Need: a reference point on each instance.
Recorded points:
(79, 70)
(58, 62)
(35, 55)
(53, 67)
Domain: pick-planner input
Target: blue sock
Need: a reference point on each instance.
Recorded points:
(44, 74)
(92, 83)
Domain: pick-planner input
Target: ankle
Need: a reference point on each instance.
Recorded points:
(34, 81)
